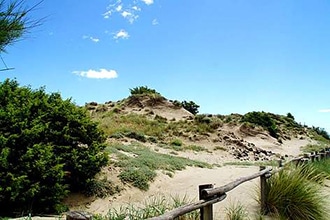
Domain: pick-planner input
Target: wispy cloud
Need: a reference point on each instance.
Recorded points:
(154, 22)
(324, 110)
(107, 14)
(122, 34)
(130, 16)
(129, 10)
(97, 74)
(136, 8)
(148, 2)
(94, 39)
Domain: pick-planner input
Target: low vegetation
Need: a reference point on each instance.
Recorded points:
(295, 194)
(236, 212)
(154, 206)
(262, 119)
(313, 147)
(139, 164)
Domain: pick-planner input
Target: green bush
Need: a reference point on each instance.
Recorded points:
(322, 132)
(138, 176)
(143, 90)
(48, 146)
(293, 195)
(176, 142)
(289, 115)
(263, 119)
(190, 106)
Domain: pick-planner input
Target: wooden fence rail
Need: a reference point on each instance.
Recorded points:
(209, 195)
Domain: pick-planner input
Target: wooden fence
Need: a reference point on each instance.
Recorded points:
(209, 195)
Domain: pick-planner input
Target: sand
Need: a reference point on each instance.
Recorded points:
(186, 182)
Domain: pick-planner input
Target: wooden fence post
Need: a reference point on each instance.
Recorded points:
(263, 191)
(313, 156)
(280, 163)
(327, 152)
(206, 213)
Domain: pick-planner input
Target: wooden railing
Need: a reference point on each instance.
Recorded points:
(209, 195)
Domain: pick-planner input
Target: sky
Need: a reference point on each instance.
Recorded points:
(228, 56)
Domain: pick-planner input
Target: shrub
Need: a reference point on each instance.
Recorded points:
(292, 195)
(138, 176)
(263, 119)
(48, 146)
(143, 90)
(176, 142)
(289, 115)
(190, 106)
(135, 135)
(322, 132)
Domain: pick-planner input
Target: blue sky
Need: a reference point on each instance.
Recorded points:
(228, 56)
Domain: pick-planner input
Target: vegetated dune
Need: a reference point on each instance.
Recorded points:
(228, 141)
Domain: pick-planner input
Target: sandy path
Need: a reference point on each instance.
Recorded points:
(185, 183)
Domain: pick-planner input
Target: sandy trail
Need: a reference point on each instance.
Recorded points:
(185, 183)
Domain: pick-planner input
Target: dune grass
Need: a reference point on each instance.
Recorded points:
(295, 194)
(236, 212)
(139, 164)
(322, 166)
(154, 206)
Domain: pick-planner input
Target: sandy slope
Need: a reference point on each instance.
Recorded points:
(186, 182)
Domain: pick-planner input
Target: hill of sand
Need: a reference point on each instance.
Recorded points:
(242, 144)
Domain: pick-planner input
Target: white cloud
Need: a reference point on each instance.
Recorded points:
(129, 16)
(94, 39)
(148, 2)
(154, 22)
(97, 74)
(122, 34)
(324, 110)
(126, 14)
(107, 14)
(136, 8)
(119, 8)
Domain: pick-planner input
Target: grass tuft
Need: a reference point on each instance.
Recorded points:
(236, 212)
(154, 206)
(294, 196)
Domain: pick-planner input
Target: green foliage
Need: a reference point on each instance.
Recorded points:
(13, 22)
(117, 125)
(295, 196)
(176, 142)
(143, 90)
(263, 119)
(321, 168)
(190, 106)
(289, 115)
(313, 148)
(236, 212)
(47, 147)
(139, 164)
(322, 132)
(138, 176)
(152, 207)
(208, 123)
